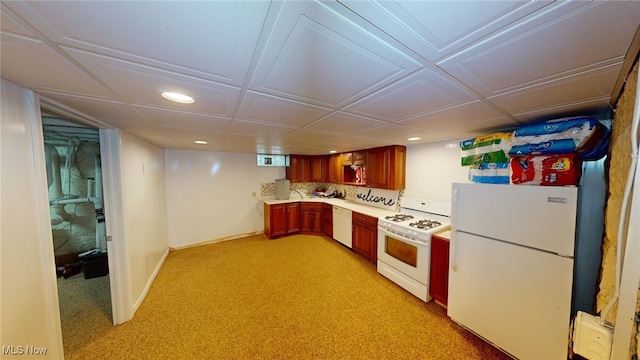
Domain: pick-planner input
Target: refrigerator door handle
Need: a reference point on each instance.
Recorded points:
(454, 253)
(454, 231)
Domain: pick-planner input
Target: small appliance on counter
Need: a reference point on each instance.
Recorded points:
(283, 189)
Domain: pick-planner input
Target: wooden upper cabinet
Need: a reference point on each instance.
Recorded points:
(299, 169)
(318, 168)
(354, 158)
(335, 166)
(386, 167)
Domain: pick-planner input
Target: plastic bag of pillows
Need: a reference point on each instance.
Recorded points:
(583, 136)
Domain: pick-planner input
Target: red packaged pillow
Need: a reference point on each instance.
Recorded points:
(546, 170)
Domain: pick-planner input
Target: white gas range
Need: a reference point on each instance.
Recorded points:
(404, 243)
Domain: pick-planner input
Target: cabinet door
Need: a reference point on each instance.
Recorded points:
(346, 159)
(336, 168)
(318, 169)
(365, 236)
(293, 170)
(292, 218)
(317, 221)
(364, 242)
(359, 157)
(439, 272)
(306, 221)
(305, 168)
(277, 220)
(397, 167)
(299, 169)
(327, 219)
(378, 167)
(386, 167)
(311, 218)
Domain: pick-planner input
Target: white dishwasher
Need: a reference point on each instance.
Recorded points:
(342, 225)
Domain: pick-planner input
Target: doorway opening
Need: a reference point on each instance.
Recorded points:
(74, 177)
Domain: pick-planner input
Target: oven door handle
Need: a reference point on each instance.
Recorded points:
(401, 238)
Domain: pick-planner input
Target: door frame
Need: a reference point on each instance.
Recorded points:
(113, 195)
(113, 206)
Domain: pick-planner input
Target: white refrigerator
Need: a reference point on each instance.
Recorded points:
(511, 266)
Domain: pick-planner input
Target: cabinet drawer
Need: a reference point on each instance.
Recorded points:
(364, 220)
(313, 206)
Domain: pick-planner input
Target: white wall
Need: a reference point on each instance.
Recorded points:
(144, 212)
(209, 195)
(29, 313)
(432, 168)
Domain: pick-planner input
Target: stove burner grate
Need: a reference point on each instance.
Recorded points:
(399, 217)
(425, 224)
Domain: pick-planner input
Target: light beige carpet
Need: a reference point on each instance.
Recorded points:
(85, 309)
(298, 297)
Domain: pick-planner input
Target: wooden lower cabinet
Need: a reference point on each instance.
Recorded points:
(365, 236)
(439, 272)
(311, 218)
(281, 219)
(327, 220)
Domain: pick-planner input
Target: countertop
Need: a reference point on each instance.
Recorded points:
(444, 234)
(346, 204)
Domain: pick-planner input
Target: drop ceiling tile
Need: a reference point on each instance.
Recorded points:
(162, 141)
(98, 109)
(584, 88)
(316, 56)
(594, 107)
(325, 142)
(396, 134)
(437, 28)
(152, 134)
(454, 117)
(186, 139)
(11, 23)
(342, 122)
(555, 44)
(244, 144)
(278, 111)
(425, 91)
(142, 85)
(184, 120)
(479, 128)
(303, 137)
(32, 64)
(211, 39)
(139, 129)
(259, 130)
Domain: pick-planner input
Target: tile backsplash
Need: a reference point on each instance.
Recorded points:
(268, 190)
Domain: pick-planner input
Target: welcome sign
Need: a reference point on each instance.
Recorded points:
(380, 198)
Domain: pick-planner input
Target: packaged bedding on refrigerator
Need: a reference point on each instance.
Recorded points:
(583, 135)
(490, 148)
(553, 169)
(490, 173)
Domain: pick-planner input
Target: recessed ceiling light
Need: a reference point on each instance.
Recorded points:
(201, 142)
(413, 138)
(177, 97)
(332, 151)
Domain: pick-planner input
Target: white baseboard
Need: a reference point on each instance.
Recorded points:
(207, 242)
(142, 296)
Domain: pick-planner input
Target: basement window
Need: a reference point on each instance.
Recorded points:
(273, 160)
